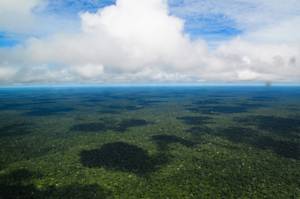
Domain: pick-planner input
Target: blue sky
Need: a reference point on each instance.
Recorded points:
(7, 41)
(72, 7)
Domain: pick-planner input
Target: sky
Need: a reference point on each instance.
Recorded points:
(149, 41)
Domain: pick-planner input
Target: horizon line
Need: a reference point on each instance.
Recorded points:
(152, 85)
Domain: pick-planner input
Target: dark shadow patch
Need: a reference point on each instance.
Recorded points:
(76, 191)
(288, 149)
(223, 109)
(285, 148)
(133, 108)
(148, 102)
(163, 141)
(44, 101)
(126, 124)
(127, 107)
(218, 109)
(122, 157)
(48, 111)
(220, 96)
(8, 107)
(90, 127)
(18, 185)
(195, 120)
(18, 129)
(208, 101)
(20, 175)
(109, 124)
(117, 109)
(199, 130)
(238, 134)
(33, 103)
(272, 124)
(252, 105)
(93, 99)
(18, 191)
(109, 111)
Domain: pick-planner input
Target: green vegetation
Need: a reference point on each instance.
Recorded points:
(150, 143)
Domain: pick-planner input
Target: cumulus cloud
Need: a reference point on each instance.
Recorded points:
(140, 41)
(17, 15)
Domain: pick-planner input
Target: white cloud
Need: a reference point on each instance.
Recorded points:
(89, 71)
(6, 73)
(139, 41)
(25, 18)
(17, 15)
(285, 31)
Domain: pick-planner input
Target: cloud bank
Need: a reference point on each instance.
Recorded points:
(142, 41)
